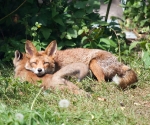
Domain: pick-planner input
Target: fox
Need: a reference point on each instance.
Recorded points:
(103, 64)
(53, 81)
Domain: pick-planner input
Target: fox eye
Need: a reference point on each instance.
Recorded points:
(46, 62)
(33, 62)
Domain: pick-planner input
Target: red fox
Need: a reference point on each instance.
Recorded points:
(103, 64)
(55, 81)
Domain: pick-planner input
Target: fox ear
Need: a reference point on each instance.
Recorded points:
(18, 55)
(51, 48)
(30, 48)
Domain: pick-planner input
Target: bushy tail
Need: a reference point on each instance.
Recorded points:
(128, 78)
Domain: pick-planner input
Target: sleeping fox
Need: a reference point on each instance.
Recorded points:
(103, 64)
(55, 81)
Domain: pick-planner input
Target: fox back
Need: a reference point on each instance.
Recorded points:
(104, 65)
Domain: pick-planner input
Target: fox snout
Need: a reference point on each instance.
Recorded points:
(39, 71)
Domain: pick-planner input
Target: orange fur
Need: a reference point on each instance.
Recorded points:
(103, 64)
(55, 81)
(40, 63)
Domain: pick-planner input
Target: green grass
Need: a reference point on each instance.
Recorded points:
(107, 104)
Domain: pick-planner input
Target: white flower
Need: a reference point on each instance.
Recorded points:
(64, 103)
(19, 116)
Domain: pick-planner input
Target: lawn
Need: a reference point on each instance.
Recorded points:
(26, 104)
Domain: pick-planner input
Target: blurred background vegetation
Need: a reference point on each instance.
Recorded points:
(73, 23)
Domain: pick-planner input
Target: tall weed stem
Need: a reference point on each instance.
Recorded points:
(36, 98)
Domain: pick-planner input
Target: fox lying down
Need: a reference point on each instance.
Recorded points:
(103, 64)
(55, 81)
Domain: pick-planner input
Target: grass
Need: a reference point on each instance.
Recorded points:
(25, 104)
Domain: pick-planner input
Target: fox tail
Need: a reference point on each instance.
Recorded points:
(128, 78)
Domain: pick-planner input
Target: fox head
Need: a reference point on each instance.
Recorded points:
(41, 62)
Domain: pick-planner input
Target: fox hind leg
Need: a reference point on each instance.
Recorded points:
(97, 70)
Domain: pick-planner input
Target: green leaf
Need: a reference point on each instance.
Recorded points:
(85, 28)
(46, 32)
(70, 43)
(87, 45)
(112, 43)
(58, 20)
(70, 21)
(42, 19)
(67, 15)
(80, 4)
(95, 4)
(68, 36)
(104, 40)
(100, 46)
(83, 39)
(147, 45)
(89, 9)
(66, 9)
(72, 33)
(108, 42)
(63, 35)
(54, 12)
(80, 32)
(79, 14)
(101, 23)
(133, 45)
(143, 44)
(143, 22)
(146, 59)
(75, 27)
(132, 2)
(60, 45)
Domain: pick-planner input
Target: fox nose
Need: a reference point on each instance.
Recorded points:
(39, 70)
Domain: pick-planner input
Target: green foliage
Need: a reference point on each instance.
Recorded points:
(137, 11)
(137, 18)
(144, 45)
(72, 24)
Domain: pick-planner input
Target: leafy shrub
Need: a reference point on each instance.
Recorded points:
(137, 18)
(71, 23)
(137, 14)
